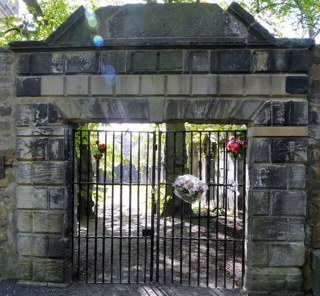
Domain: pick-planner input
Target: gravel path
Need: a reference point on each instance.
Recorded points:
(11, 288)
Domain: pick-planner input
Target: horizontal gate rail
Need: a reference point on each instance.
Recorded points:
(130, 227)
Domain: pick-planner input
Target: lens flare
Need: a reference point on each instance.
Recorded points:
(91, 18)
(98, 41)
(109, 74)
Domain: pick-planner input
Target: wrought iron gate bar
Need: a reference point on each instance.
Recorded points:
(129, 227)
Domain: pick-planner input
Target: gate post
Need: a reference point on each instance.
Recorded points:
(43, 202)
(276, 209)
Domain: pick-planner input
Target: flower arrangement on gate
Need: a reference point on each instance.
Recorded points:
(189, 188)
(98, 150)
(236, 146)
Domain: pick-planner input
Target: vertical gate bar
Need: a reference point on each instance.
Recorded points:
(218, 210)
(104, 207)
(190, 220)
(80, 188)
(153, 207)
(121, 204)
(74, 180)
(146, 209)
(130, 205)
(199, 215)
(158, 146)
(96, 222)
(225, 210)
(174, 203)
(243, 211)
(208, 210)
(161, 134)
(87, 208)
(112, 206)
(159, 196)
(235, 205)
(138, 207)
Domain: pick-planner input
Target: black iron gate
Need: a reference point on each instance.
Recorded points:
(129, 226)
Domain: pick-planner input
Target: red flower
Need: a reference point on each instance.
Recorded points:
(97, 142)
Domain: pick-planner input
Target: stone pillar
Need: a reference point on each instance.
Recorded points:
(276, 210)
(7, 149)
(43, 198)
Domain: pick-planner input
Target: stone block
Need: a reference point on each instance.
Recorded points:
(101, 85)
(152, 84)
(258, 85)
(28, 86)
(56, 149)
(49, 173)
(273, 279)
(258, 254)
(297, 176)
(24, 221)
(315, 255)
(278, 85)
(82, 62)
(115, 59)
(260, 202)
(278, 228)
(32, 245)
(113, 109)
(8, 262)
(199, 62)
(55, 116)
(31, 148)
(25, 268)
(48, 222)
(235, 61)
(222, 109)
(178, 84)
(77, 85)
(297, 85)
(170, 61)
(261, 150)
(145, 61)
(47, 63)
(231, 84)
(290, 203)
(300, 60)
(24, 173)
(174, 109)
(57, 197)
(136, 109)
(278, 131)
(23, 64)
(48, 270)
(59, 247)
(204, 84)
(246, 109)
(274, 60)
(128, 85)
(52, 85)
(198, 109)
(289, 149)
(30, 197)
(290, 113)
(286, 254)
(6, 111)
(156, 109)
(269, 176)
(41, 131)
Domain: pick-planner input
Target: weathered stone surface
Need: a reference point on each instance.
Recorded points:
(55, 116)
(24, 173)
(204, 84)
(260, 202)
(25, 268)
(59, 247)
(30, 197)
(257, 85)
(52, 85)
(316, 271)
(47, 63)
(116, 59)
(24, 221)
(101, 85)
(49, 173)
(152, 85)
(290, 203)
(48, 270)
(57, 197)
(222, 109)
(278, 228)
(32, 114)
(235, 61)
(56, 149)
(156, 107)
(32, 148)
(271, 61)
(231, 84)
(128, 85)
(82, 62)
(297, 176)
(286, 254)
(297, 85)
(178, 84)
(198, 109)
(273, 279)
(289, 149)
(170, 61)
(32, 245)
(77, 85)
(28, 86)
(269, 176)
(258, 254)
(23, 64)
(145, 61)
(300, 60)
(48, 222)
(199, 61)
(261, 149)
(41, 131)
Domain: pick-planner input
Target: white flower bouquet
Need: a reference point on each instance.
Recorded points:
(189, 188)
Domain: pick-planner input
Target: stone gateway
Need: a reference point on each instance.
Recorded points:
(170, 63)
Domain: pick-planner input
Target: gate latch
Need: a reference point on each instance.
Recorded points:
(147, 232)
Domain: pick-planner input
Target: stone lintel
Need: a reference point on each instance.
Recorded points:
(275, 131)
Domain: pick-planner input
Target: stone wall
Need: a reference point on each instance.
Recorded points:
(8, 231)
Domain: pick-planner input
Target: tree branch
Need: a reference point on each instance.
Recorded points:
(34, 8)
